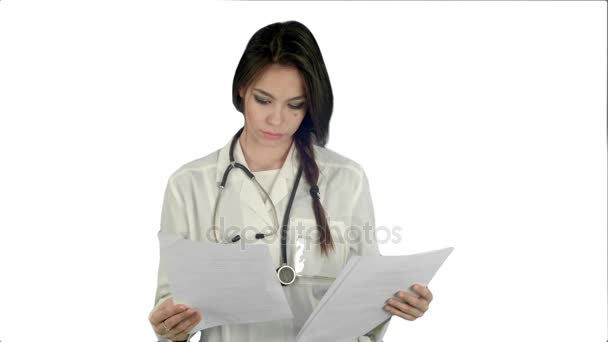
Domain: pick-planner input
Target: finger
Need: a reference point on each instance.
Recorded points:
(159, 314)
(173, 321)
(180, 337)
(165, 311)
(399, 313)
(404, 307)
(419, 303)
(423, 291)
(184, 327)
(190, 323)
(163, 328)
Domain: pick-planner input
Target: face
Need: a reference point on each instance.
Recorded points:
(274, 103)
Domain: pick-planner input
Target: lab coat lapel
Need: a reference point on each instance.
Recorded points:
(251, 199)
(283, 183)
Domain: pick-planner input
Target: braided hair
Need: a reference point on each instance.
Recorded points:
(290, 43)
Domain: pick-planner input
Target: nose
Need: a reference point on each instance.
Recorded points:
(275, 118)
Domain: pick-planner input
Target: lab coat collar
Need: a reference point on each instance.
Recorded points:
(249, 193)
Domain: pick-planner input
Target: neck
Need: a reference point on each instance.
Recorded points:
(262, 158)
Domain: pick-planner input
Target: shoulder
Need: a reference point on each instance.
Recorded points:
(195, 169)
(333, 164)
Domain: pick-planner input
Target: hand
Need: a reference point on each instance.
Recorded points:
(410, 306)
(178, 319)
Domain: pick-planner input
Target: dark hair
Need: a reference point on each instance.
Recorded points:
(290, 43)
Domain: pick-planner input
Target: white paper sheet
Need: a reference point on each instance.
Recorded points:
(227, 283)
(353, 305)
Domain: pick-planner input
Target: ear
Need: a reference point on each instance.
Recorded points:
(241, 92)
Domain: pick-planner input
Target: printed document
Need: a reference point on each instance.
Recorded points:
(225, 282)
(353, 304)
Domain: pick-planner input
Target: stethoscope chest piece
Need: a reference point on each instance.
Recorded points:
(286, 274)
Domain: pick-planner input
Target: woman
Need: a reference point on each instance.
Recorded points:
(282, 88)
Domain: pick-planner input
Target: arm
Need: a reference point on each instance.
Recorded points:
(363, 220)
(174, 220)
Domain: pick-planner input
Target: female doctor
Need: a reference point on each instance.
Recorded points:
(275, 183)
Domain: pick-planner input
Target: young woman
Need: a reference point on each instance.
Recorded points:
(278, 186)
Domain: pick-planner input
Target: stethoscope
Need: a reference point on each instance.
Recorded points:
(285, 273)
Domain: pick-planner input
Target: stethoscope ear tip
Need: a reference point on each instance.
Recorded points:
(236, 238)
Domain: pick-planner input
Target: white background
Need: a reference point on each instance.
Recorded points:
(481, 126)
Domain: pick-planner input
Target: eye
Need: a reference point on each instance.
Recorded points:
(261, 100)
(300, 106)
(264, 102)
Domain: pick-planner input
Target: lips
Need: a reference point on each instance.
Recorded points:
(272, 134)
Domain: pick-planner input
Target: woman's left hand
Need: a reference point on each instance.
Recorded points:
(410, 306)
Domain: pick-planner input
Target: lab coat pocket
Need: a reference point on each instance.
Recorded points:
(306, 251)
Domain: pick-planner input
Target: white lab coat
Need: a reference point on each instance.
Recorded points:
(189, 199)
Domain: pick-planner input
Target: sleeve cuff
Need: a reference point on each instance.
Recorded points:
(164, 339)
(376, 334)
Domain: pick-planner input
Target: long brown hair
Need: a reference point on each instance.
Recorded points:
(290, 43)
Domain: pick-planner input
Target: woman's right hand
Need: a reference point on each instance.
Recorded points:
(178, 319)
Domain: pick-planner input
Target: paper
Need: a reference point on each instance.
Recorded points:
(227, 283)
(353, 304)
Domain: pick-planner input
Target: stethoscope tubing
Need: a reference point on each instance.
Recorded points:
(285, 267)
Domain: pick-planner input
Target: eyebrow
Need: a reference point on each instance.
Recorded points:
(272, 97)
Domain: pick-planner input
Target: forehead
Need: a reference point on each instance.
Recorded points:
(281, 81)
